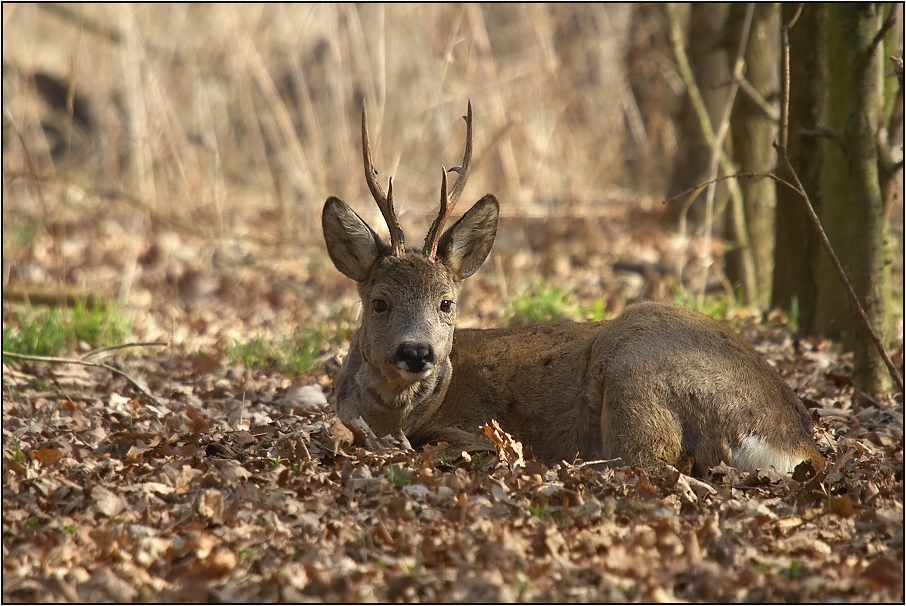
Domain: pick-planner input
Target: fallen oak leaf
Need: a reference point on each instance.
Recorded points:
(107, 503)
(434, 449)
(841, 506)
(509, 450)
(232, 471)
(303, 399)
(46, 456)
(220, 563)
(499, 491)
(339, 435)
(701, 489)
(293, 448)
(210, 505)
(157, 488)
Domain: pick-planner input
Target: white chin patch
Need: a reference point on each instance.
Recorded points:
(415, 376)
(753, 453)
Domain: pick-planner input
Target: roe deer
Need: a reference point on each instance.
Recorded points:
(656, 385)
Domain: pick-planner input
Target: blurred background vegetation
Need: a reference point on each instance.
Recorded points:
(231, 124)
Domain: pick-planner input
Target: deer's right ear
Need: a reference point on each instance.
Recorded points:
(467, 244)
(352, 245)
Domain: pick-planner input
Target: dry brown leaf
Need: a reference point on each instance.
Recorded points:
(340, 435)
(107, 503)
(210, 505)
(841, 506)
(233, 471)
(509, 450)
(46, 456)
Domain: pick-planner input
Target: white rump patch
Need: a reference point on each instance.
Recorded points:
(754, 453)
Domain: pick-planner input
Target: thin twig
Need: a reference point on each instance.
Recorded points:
(704, 184)
(97, 352)
(581, 464)
(734, 176)
(824, 133)
(783, 136)
(763, 104)
(55, 360)
(888, 23)
(796, 16)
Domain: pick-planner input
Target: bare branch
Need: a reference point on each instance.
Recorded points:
(795, 18)
(885, 27)
(769, 110)
(704, 184)
(97, 352)
(55, 360)
(824, 133)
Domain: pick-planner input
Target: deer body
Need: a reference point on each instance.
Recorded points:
(656, 385)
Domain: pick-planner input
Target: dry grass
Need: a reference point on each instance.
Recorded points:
(200, 111)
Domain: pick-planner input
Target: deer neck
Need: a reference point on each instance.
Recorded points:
(389, 402)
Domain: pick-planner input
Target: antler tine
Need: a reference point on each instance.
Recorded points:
(463, 170)
(433, 237)
(447, 202)
(384, 202)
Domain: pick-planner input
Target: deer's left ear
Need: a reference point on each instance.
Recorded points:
(352, 245)
(466, 245)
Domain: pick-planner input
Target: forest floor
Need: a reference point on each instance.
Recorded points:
(194, 474)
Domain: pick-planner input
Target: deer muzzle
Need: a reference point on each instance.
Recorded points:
(415, 360)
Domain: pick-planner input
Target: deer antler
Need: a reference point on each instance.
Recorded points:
(447, 202)
(384, 202)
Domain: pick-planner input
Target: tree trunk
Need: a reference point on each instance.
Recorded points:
(853, 210)
(835, 95)
(754, 131)
(797, 248)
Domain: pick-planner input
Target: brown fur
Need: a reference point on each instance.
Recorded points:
(656, 385)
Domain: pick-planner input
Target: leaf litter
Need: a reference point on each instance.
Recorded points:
(240, 484)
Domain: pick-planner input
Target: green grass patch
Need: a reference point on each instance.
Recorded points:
(399, 475)
(541, 304)
(541, 510)
(713, 307)
(51, 331)
(288, 354)
(18, 235)
(793, 571)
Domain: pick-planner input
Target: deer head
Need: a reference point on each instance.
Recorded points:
(409, 297)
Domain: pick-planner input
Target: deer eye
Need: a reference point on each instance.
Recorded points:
(446, 306)
(379, 305)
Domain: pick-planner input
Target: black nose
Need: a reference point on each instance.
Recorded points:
(415, 357)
